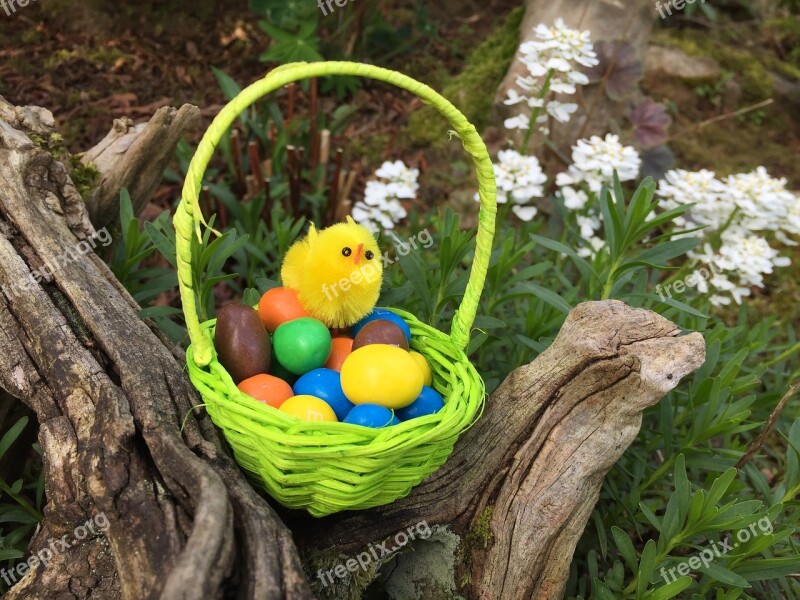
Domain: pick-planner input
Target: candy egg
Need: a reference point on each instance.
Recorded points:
(380, 331)
(325, 384)
(341, 347)
(427, 377)
(429, 402)
(242, 343)
(302, 345)
(308, 408)
(383, 375)
(278, 306)
(267, 389)
(370, 415)
(382, 313)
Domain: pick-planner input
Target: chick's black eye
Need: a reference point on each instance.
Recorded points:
(369, 255)
(346, 251)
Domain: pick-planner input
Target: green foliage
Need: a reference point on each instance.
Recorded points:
(19, 514)
(655, 518)
(703, 427)
(132, 262)
(534, 279)
(287, 47)
(301, 31)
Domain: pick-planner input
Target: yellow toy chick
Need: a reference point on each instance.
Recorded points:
(337, 272)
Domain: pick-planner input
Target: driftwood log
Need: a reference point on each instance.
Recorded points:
(110, 394)
(134, 157)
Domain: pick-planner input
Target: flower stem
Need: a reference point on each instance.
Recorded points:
(536, 112)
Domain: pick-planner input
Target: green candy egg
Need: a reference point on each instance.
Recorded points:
(302, 345)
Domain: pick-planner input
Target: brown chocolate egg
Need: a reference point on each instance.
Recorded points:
(242, 342)
(380, 331)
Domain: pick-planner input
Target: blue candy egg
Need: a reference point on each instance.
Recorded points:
(382, 313)
(327, 385)
(371, 415)
(427, 403)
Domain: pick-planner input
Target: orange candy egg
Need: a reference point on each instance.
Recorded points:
(267, 388)
(279, 305)
(341, 347)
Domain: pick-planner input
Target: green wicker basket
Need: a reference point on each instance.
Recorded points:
(329, 467)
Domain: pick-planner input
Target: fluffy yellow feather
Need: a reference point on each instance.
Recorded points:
(337, 272)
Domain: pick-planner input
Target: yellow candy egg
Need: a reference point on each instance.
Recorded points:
(308, 408)
(427, 377)
(383, 375)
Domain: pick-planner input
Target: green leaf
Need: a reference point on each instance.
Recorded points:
(646, 566)
(650, 516)
(11, 435)
(668, 250)
(164, 244)
(625, 547)
(768, 568)
(230, 89)
(672, 520)
(582, 265)
(159, 311)
(672, 589)
(632, 264)
(682, 306)
(612, 224)
(719, 487)
(666, 217)
(548, 296)
(682, 488)
(619, 198)
(604, 592)
(723, 575)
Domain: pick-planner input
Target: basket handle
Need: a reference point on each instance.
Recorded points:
(188, 216)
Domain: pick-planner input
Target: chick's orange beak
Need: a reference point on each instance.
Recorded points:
(357, 257)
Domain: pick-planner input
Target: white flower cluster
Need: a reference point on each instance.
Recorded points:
(593, 164)
(519, 178)
(552, 60)
(741, 210)
(595, 160)
(381, 207)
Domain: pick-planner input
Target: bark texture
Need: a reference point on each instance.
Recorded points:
(134, 157)
(110, 395)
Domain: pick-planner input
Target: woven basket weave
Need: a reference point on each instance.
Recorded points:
(328, 467)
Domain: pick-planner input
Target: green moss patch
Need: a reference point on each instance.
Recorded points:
(472, 90)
